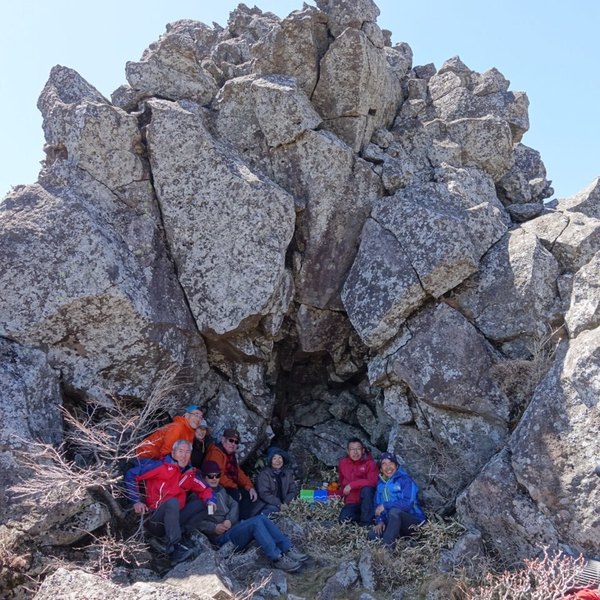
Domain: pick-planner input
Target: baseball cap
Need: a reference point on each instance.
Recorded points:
(232, 433)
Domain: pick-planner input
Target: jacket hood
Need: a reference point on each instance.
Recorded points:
(271, 452)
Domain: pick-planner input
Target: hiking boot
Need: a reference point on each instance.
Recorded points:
(158, 545)
(180, 553)
(296, 555)
(286, 563)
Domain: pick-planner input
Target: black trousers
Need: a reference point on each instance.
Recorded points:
(399, 524)
(242, 497)
(168, 519)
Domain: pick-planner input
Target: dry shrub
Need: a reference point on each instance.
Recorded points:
(518, 378)
(414, 559)
(548, 577)
(110, 550)
(322, 533)
(99, 439)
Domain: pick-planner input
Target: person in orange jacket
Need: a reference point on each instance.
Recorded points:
(160, 443)
(236, 483)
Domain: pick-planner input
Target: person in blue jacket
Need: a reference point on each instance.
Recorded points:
(397, 510)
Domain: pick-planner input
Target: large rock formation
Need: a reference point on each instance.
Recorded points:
(324, 241)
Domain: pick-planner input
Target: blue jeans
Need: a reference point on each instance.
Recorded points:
(263, 531)
(362, 512)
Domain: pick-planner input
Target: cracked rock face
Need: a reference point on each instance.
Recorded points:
(327, 240)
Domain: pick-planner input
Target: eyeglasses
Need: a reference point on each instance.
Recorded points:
(232, 441)
(213, 476)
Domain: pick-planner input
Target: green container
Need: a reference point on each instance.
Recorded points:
(307, 495)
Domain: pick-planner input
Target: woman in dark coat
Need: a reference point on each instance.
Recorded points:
(275, 484)
(200, 444)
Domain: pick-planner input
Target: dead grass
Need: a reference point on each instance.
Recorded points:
(548, 577)
(412, 560)
(518, 378)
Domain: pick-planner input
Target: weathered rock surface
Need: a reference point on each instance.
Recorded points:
(354, 107)
(335, 211)
(87, 279)
(584, 308)
(294, 47)
(514, 292)
(230, 262)
(586, 202)
(526, 182)
(460, 407)
(506, 510)
(30, 402)
(170, 68)
(74, 585)
(327, 242)
(554, 450)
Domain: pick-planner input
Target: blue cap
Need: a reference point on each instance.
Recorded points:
(192, 408)
(388, 456)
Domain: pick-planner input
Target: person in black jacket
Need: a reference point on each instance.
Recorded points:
(200, 444)
(275, 484)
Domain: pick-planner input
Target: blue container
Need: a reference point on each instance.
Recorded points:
(320, 495)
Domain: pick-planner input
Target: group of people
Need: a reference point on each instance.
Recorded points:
(183, 481)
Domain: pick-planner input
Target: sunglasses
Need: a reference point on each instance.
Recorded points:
(213, 476)
(233, 441)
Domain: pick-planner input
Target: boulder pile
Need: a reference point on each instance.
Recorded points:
(326, 240)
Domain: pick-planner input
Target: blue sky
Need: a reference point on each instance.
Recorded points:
(548, 49)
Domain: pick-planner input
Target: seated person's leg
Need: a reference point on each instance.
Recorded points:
(192, 513)
(281, 540)
(240, 535)
(350, 512)
(408, 525)
(265, 539)
(367, 508)
(392, 528)
(245, 504)
(165, 521)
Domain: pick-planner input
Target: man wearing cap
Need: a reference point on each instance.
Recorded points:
(174, 497)
(159, 444)
(236, 483)
(397, 511)
(358, 475)
(223, 526)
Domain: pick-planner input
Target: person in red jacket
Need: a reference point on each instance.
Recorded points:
(236, 483)
(166, 500)
(358, 475)
(158, 444)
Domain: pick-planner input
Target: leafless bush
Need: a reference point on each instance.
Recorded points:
(111, 433)
(250, 592)
(518, 378)
(100, 439)
(108, 551)
(548, 577)
(414, 559)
